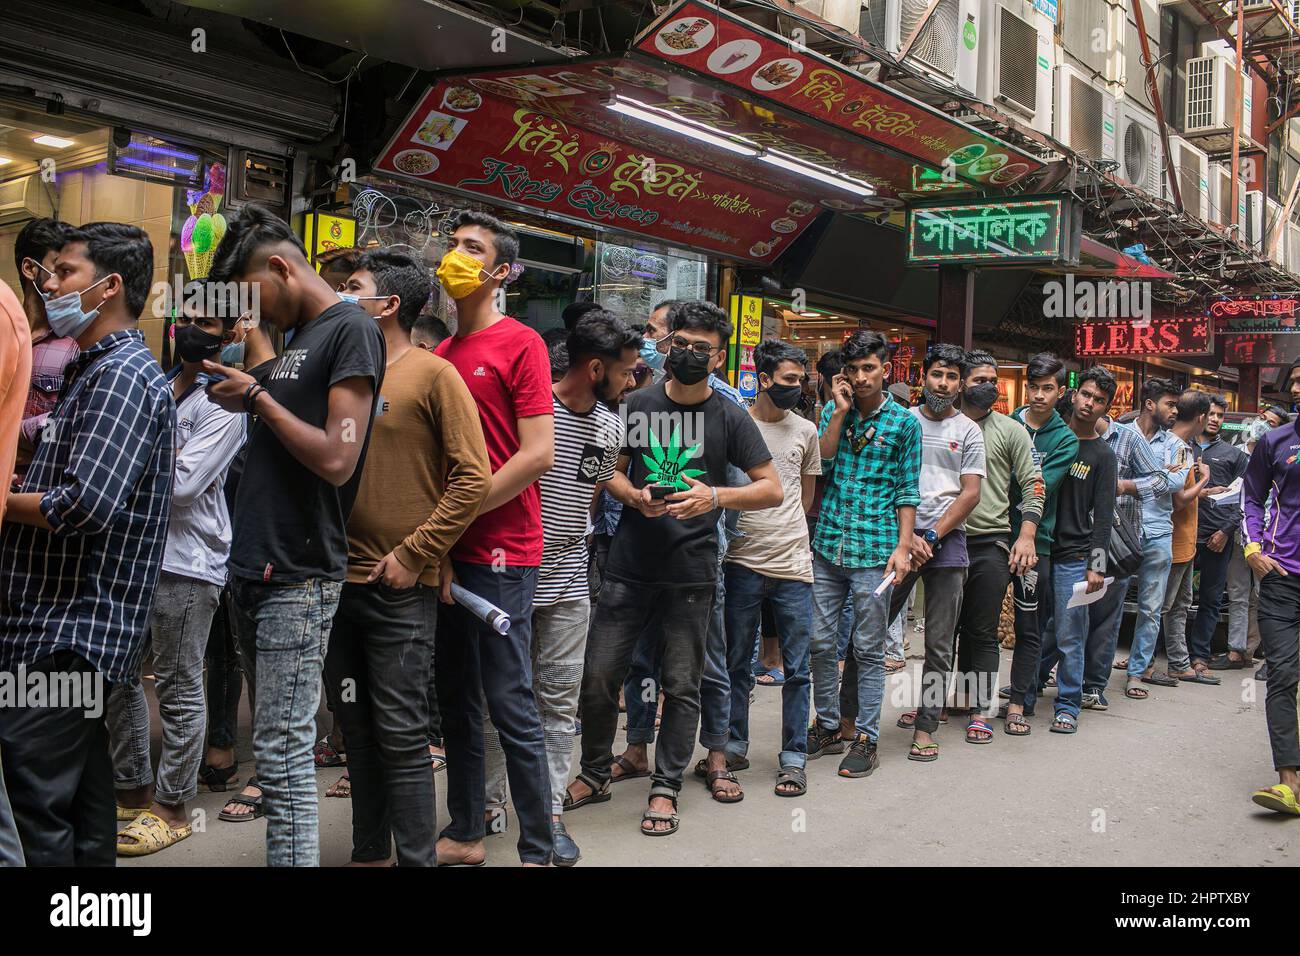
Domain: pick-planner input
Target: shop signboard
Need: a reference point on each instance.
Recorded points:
(1260, 349)
(1274, 314)
(457, 138)
(323, 232)
(1043, 229)
(746, 332)
(705, 39)
(1163, 335)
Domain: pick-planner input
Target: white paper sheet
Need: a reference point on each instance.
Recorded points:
(1079, 597)
(1232, 491)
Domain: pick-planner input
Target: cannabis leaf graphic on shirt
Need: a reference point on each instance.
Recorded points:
(665, 464)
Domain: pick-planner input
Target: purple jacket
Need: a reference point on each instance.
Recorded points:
(1272, 484)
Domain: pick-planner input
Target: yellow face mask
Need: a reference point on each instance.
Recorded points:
(460, 274)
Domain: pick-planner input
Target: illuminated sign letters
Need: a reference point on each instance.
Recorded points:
(1174, 335)
(993, 231)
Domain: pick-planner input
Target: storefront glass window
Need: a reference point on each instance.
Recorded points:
(630, 281)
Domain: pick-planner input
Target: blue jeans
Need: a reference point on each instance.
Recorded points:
(831, 585)
(845, 639)
(1153, 578)
(1104, 620)
(1065, 636)
(715, 684)
(283, 632)
(792, 608)
(1214, 578)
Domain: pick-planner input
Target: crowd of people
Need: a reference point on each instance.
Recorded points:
(322, 511)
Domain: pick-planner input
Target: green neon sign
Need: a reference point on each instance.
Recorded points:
(992, 231)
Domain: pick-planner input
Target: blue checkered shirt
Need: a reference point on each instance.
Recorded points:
(1136, 462)
(104, 468)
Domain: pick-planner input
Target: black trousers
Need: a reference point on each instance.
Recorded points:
(981, 609)
(59, 773)
(1032, 593)
(1279, 625)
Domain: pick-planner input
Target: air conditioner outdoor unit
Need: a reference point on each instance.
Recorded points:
(1085, 114)
(1192, 169)
(842, 13)
(946, 47)
(1221, 196)
(1015, 61)
(1209, 104)
(1293, 248)
(1255, 219)
(1274, 248)
(1138, 147)
(24, 199)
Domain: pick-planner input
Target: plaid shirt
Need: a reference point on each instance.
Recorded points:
(51, 355)
(104, 466)
(858, 523)
(1135, 462)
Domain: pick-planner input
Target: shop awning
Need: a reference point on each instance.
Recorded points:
(711, 133)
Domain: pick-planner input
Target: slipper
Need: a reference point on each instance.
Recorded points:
(924, 753)
(1133, 692)
(1201, 678)
(893, 665)
(1279, 798)
(658, 816)
(254, 802)
(1120, 665)
(733, 764)
(791, 775)
(342, 788)
(630, 772)
(1160, 680)
(908, 720)
(1064, 723)
(976, 727)
(127, 814)
(718, 793)
(1017, 726)
(151, 833)
(775, 678)
(326, 756)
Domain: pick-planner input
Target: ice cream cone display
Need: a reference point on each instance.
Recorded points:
(203, 230)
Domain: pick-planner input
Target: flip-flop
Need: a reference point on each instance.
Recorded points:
(151, 834)
(978, 726)
(1017, 721)
(775, 678)
(630, 772)
(1279, 798)
(1134, 692)
(924, 753)
(1064, 723)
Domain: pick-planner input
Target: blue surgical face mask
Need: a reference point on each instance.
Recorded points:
(66, 317)
(651, 355)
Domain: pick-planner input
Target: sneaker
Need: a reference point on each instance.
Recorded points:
(1005, 692)
(1261, 672)
(823, 741)
(1094, 700)
(861, 758)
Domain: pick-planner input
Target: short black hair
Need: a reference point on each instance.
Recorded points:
(1157, 388)
(1103, 379)
(38, 238)
(1219, 401)
(215, 299)
(401, 274)
(1277, 410)
(864, 343)
(574, 311)
(944, 353)
(667, 304)
(116, 247)
(600, 334)
(430, 328)
(340, 261)
(1193, 404)
(555, 340)
(1043, 365)
(770, 353)
(505, 241)
(974, 359)
(830, 364)
(700, 316)
(254, 228)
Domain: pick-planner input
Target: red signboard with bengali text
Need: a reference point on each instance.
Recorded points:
(1168, 335)
(466, 138)
(1260, 349)
(702, 38)
(1276, 314)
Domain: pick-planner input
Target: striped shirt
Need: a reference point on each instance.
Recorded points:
(104, 468)
(866, 484)
(586, 450)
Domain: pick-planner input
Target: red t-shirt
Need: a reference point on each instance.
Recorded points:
(508, 371)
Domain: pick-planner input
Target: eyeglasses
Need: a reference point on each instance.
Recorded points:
(696, 348)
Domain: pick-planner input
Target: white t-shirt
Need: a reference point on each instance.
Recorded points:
(586, 450)
(950, 448)
(774, 541)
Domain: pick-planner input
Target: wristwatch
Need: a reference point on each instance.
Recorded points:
(930, 536)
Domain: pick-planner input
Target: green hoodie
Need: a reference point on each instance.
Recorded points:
(1055, 446)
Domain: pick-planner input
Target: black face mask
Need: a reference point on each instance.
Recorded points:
(785, 397)
(195, 345)
(687, 367)
(981, 397)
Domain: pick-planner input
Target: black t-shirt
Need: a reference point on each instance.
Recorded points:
(666, 443)
(1085, 506)
(289, 523)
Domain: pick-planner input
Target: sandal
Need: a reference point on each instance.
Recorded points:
(719, 794)
(599, 793)
(1016, 725)
(733, 764)
(127, 814)
(923, 752)
(1160, 680)
(1279, 798)
(151, 833)
(1135, 692)
(908, 720)
(342, 788)
(254, 802)
(218, 779)
(791, 775)
(893, 665)
(630, 772)
(1005, 710)
(1201, 676)
(1065, 723)
(975, 728)
(326, 756)
(438, 761)
(658, 816)
(1120, 665)
(775, 678)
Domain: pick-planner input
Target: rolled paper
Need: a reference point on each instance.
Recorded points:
(485, 611)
